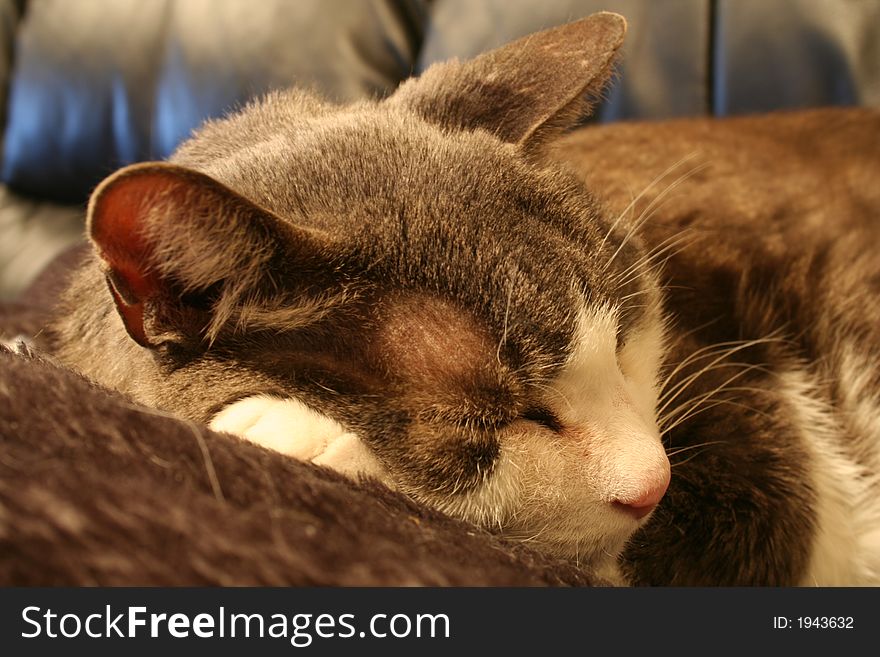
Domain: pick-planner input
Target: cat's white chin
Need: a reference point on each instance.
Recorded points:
(593, 537)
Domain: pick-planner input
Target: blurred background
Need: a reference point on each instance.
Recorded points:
(89, 85)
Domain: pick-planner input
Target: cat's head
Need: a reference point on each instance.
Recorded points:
(415, 269)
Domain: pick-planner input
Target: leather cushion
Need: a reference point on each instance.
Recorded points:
(104, 83)
(697, 57)
(100, 84)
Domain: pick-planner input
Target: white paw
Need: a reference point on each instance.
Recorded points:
(290, 427)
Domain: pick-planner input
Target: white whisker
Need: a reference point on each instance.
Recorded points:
(725, 349)
(714, 366)
(690, 447)
(506, 319)
(696, 409)
(647, 213)
(635, 200)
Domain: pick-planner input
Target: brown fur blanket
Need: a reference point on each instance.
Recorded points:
(95, 490)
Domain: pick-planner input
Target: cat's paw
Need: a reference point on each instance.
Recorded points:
(290, 427)
(285, 425)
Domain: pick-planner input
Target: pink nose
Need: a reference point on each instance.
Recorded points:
(643, 503)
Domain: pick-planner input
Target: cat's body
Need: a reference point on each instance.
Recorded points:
(419, 291)
(782, 223)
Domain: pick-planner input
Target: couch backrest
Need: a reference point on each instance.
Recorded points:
(95, 84)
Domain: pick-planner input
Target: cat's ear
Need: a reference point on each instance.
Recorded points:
(527, 91)
(179, 249)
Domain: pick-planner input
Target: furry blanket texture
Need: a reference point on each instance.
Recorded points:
(96, 490)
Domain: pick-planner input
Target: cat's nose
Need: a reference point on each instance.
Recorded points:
(642, 503)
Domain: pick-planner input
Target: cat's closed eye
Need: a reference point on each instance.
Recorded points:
(543, 417)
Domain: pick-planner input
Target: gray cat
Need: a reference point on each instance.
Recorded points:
(424, 290)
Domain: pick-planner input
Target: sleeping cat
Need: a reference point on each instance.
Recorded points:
(522, 328)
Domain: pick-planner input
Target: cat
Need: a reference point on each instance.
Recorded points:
(648, 348)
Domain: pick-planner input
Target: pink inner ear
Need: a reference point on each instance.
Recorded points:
(116, 219)
(126, 228)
